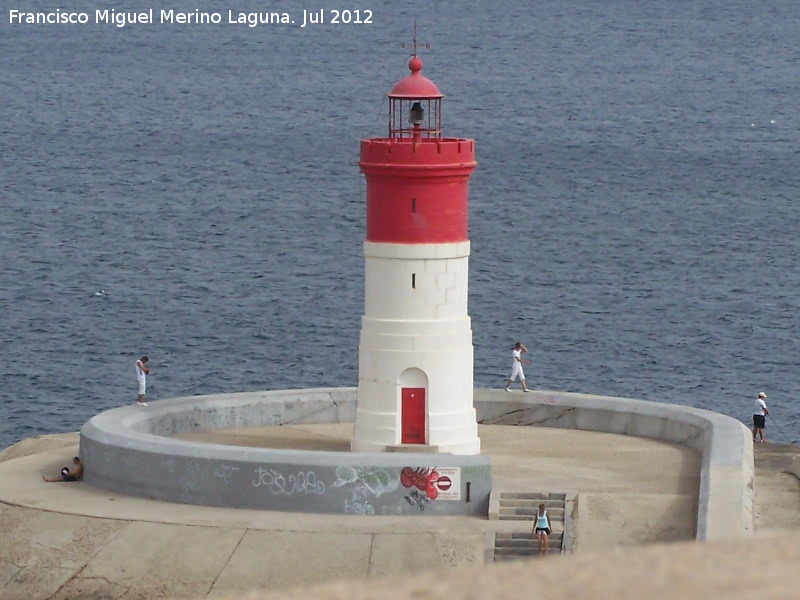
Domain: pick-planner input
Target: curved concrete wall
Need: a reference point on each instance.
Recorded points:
(725, 504)
(125, 450)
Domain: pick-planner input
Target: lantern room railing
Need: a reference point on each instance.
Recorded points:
(415, 119)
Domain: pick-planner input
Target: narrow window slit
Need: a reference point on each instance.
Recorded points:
(413, 281)
(413, 205)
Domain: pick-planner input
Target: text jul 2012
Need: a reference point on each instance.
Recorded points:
(196, 17)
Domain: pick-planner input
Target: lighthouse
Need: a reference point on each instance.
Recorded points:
(415, 352)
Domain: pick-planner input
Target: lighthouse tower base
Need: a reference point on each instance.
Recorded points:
(398, 411)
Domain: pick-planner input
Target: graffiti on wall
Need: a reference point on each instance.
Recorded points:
(191, 482)
(300, 482)
(364, 483)
(225, 472)
(442, 483)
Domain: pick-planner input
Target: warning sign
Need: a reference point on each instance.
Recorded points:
(449, 483)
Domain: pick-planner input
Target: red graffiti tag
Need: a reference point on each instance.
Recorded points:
(422, 479)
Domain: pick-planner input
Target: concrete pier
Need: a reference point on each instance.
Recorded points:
(73, 540)
(135, 451)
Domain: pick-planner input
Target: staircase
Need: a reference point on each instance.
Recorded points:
(521, 507)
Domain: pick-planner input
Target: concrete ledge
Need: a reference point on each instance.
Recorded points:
(725, 505)
(413, 449)
(570, 522)
(127, 450)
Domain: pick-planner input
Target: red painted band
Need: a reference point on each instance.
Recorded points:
(417, 192)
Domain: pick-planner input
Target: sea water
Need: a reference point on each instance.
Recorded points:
(190, 192)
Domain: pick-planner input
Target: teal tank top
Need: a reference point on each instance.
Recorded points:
(541, 520)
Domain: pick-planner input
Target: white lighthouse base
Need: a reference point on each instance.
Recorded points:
(440, 363)
(415, 354)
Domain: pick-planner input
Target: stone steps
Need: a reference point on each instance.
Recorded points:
(509, 546)
(526, 514)
(522, 506)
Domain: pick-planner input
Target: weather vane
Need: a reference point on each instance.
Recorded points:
(414, 45)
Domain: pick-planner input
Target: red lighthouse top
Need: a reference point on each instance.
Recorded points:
(417, 98)
(415, 85)
(417, 179)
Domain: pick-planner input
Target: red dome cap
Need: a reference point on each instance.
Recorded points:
(415, 86)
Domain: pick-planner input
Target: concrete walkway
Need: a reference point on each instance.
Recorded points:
(68, 540)
(777, 487)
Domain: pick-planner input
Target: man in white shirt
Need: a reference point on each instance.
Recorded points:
(516, 367)
(141, 378)
(760, 413)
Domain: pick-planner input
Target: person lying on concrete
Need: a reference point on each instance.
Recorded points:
(67, 474)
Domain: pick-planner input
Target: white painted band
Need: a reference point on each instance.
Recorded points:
(418, 251)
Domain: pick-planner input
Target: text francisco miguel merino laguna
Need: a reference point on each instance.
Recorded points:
(196, 17)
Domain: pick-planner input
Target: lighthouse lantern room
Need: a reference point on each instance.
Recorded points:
(415, 354)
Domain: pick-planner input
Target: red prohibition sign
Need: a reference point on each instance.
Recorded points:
(444, 483)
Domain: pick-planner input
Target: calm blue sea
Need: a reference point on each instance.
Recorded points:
(191, 192)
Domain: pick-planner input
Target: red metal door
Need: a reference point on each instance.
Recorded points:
(413, 416)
